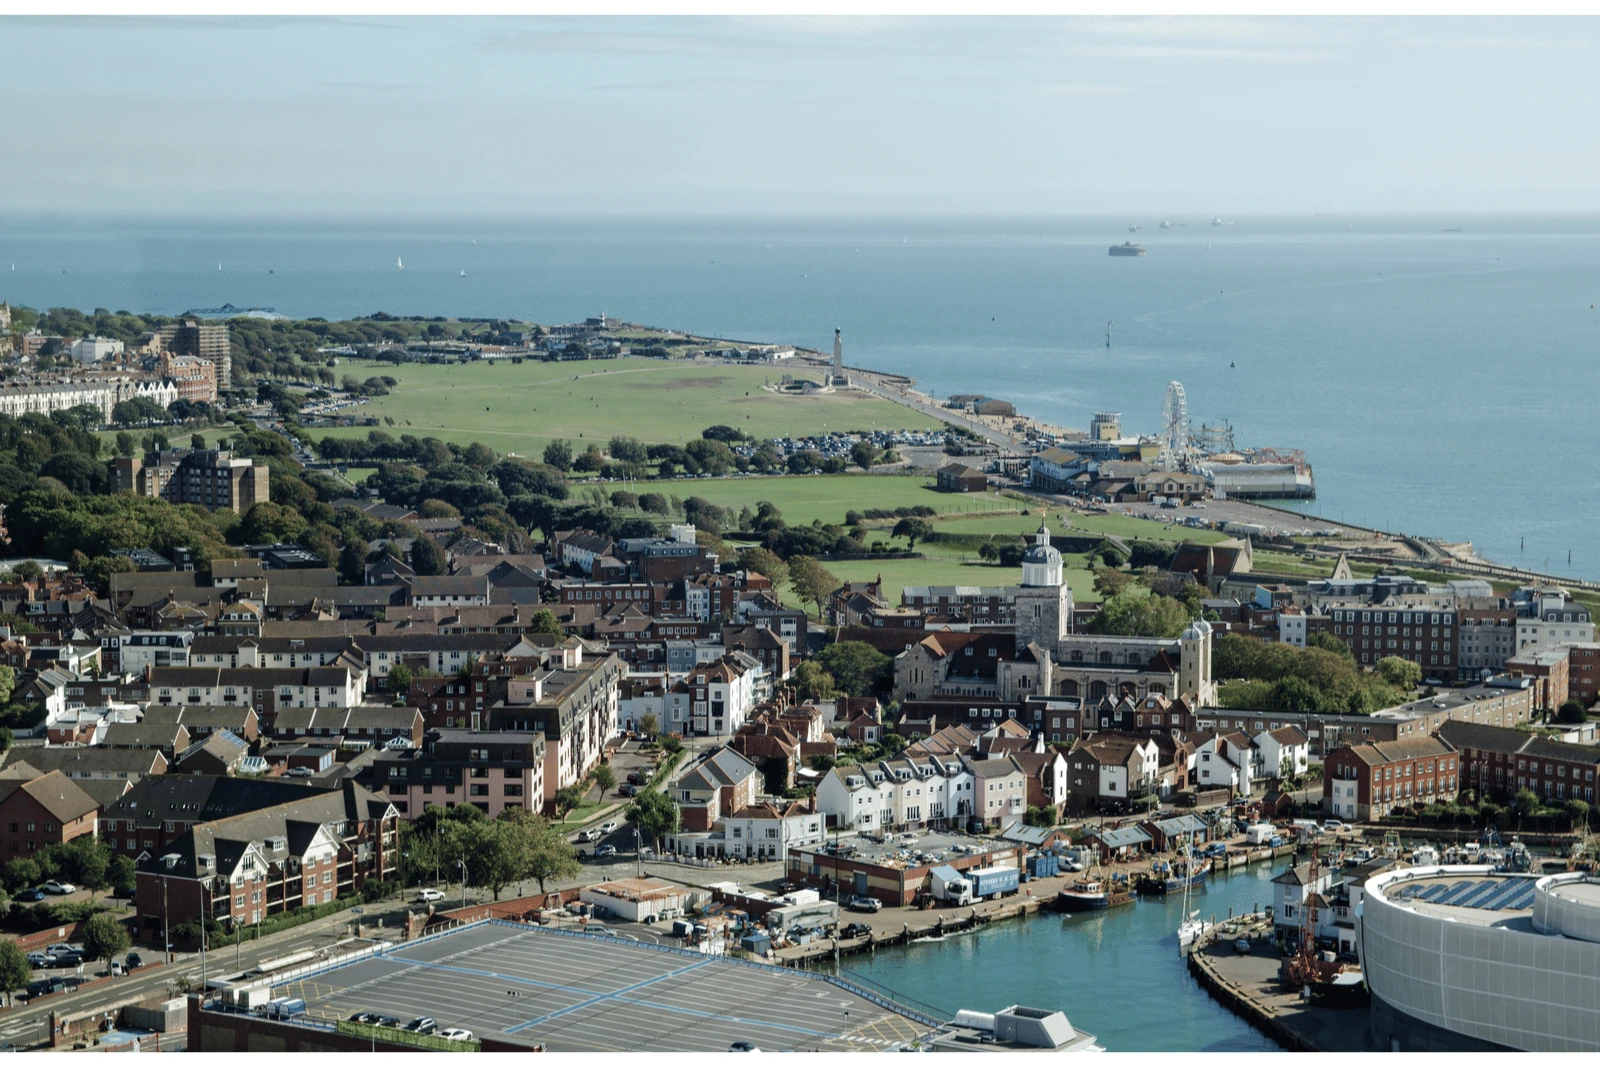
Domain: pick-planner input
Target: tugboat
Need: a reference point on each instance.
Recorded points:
(1127, 248)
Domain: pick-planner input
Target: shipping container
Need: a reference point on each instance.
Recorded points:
(993, 881)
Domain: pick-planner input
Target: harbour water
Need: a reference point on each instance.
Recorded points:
(1423, 370)
(1116, 973)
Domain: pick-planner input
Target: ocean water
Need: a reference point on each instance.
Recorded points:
(1116, 973)
(1441, 383)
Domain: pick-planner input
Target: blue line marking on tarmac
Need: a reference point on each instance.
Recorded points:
(599, 998)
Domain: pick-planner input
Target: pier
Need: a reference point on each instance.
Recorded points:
(1247, 984)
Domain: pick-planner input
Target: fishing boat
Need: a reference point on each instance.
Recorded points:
(1424, 856)
(1091, 894)
(1174, 877)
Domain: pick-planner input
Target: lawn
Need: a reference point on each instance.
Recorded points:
(898, 573)
(521, 407)
(803, 498)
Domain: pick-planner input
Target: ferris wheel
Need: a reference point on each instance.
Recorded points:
(1174, 425)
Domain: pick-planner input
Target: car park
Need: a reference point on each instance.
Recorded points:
(455, 1033)
(421, 1025)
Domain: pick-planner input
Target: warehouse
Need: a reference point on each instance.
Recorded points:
(895, 869)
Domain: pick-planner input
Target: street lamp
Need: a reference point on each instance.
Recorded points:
(463, 865)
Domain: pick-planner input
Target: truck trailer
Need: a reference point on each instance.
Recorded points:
(993, 881)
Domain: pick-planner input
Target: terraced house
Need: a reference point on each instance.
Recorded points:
(1366, 781)
(915, 792)
(245, 867)
(1499, 762)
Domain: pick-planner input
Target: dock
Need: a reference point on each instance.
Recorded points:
(1247, 984)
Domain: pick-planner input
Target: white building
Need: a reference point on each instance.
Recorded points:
(765, 831)
(1227, 761)
(899, 794)
(95, 349)
(1549, 618)
(1292, 626)
(1285, 752)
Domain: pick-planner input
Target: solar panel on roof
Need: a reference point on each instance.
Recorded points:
(1459, 892)
(1434, 892)
(1497, 900)
(1483, 892)
(1523, 899)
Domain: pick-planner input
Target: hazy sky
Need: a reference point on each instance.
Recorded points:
(1212, 116)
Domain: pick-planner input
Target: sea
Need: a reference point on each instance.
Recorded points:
(1439, 373)
(1115, 973)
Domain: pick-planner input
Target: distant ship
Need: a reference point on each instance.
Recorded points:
(1133, 228)
(1127, 248)
(1165, 225)
(1219, 222)
(219, 268)
(463, 274)
(398, 264)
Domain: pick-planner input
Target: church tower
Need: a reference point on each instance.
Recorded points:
(1194, 664)
(1044, 602)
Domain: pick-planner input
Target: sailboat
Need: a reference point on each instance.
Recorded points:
(398, 264)
(463, 273)
(219, 268)
(1192, 928)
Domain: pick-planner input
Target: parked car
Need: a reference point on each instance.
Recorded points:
(851, 930)
(45, 986)
(1332, 825)
(299, 772)
(605, 850)
(629, 790)
(38, 959)
(421, 1025)
(587, 835)
(455, 1033)
(635, 778)
(742, 1046)
(1242, 946)
(66, 957)
(428, 896)
(133, 962)
(860, 903)
(59, 888)
(30, 895)
(608, 827)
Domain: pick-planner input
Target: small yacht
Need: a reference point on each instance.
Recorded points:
(463, 273)
(399, 264)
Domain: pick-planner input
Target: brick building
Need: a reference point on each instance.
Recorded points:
(39, 810)
(1366, 781)
(1427, 636)
(1498, 762)
(491, 771)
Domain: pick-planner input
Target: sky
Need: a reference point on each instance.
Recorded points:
(690, 115)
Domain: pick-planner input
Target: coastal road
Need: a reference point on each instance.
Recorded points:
(920, 402)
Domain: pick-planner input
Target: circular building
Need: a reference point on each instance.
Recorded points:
(1467, 959)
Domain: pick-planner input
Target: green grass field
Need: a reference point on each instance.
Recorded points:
(521, 407)
(827, 497)
(898, 573)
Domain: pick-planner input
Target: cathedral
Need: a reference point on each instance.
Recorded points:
(1046, 658)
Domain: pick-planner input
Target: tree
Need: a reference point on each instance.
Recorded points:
(864, 454)
(672, 744)
(648, 724)
(1400, 673)
(567, 798)
(399, 679)
(856, 666)
(1135, 613)
(628, 449)
(1109, 583)
(655, 815)
(1329, 643)
(655, 503)
(125, 443)
(427, 558)
(1042, 816)
(811, 581)
(353, 561)
(558, 454)
(913, 530)
(811, 682)
(546, 853)
(8, 683)
(604, 777)
(86, 861)
(15, 972)
(1526, 802)
(1579, 809)
(269, 523)
(544, 621)
(1572, 712)
(764, 562)
(104, 937)
(491, 851)
(139, 409)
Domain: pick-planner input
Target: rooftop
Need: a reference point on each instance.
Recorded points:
(590, 993)
(904, 850)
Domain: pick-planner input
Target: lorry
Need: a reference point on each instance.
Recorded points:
(949, 886)
(993, 881)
